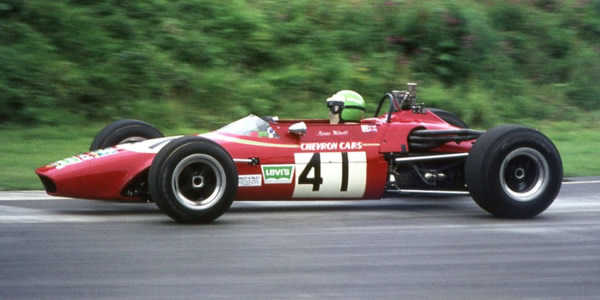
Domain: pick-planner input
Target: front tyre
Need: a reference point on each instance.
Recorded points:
(513, 172)
(193, 180)
(123, 132)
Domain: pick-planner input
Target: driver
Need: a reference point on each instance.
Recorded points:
(345, 106)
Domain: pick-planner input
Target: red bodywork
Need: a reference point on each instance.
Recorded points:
(351, 160)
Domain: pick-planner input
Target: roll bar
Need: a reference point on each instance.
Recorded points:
(399, 100)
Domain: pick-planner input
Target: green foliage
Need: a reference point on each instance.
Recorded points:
(584, 90)
(206, 62)
(200, 64)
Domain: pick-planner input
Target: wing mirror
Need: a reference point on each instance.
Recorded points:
(298, 128)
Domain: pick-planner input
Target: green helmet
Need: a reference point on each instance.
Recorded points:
(348, 104)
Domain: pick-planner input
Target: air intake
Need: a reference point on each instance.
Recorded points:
(48, 184)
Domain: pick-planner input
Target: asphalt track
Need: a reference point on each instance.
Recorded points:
(405, 248)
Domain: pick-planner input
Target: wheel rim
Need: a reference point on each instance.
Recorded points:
(132, 139)
(524, 174)
(198, 181)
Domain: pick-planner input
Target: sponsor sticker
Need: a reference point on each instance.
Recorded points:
(250, 180)
(368, 128)
(275, 174)
(83, 157)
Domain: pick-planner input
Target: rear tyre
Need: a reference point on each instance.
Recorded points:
(193, 180)
(123, 132)
(513, 172)
(449, 117)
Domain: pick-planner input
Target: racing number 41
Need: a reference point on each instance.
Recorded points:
(330, 174)
(317, 180)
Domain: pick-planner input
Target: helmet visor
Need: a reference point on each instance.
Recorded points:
(335, 107)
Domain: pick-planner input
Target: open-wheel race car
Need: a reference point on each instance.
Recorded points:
(510, 171)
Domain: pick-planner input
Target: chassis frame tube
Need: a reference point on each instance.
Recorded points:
(430, 157)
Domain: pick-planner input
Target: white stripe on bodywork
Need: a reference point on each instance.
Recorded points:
(148, 146)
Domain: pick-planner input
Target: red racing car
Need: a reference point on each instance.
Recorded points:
(510, 171)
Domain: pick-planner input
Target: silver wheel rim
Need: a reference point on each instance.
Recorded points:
(198, 181)
(524, 174)
(132, 139)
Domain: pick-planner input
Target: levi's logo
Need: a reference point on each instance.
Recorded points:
(278, 173)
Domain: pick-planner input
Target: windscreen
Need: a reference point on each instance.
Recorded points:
(250, 126)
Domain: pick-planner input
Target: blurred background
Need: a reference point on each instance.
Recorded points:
(202, 64)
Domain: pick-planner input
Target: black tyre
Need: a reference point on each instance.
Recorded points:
(449, 117)
(124, 131)
(513, 172)
(193, 180)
